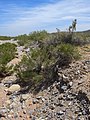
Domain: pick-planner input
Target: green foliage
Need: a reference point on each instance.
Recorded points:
(75, 38)
(26, 70)
(22, 39)
(41, 63)
(80, 39)
(68, 50)
(66, 37)
(5, 37)
(32, 37)
(38, 35)
(7, 53)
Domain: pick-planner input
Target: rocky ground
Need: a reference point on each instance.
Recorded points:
(68, 98)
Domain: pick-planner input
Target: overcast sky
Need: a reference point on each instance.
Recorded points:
(24, 16)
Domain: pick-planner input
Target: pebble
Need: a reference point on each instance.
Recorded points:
(70, 103)
(65, 77)
(3, 112)
(70, 84)
(25, 97)
(35, 101)
(14, 88)
(52, 107)
(64, 87)
(60, 113)
(8, 102)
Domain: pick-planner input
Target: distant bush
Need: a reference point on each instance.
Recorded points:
(79, 39)
(22, 39)
(5, 38)
(74, 38)
(7, 53)
(32, 37)
(38, 35)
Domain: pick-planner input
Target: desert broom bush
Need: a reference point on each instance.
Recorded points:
(38, 35)
(40, 64)
(68, 50)
(22, 39)
(35, 36)
(7, 53)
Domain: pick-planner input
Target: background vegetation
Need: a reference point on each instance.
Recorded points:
(5, 38)
(24, 40)
(48, 52)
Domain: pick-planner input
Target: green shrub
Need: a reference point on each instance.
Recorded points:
(7, 53)
(22, 39)
(74, 38)
(5, 38)
(38, 35)
(32, 37)
(68, 50)
(41, 63)
(26, 70)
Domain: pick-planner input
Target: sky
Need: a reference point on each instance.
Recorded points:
(24, 16)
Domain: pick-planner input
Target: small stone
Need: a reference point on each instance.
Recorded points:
(8, 83)
(52, 107)
(87, 61)
(70, 103)
(8, 102)
(65, 77)
(40, 118)
(34, 118)
(9, 79)
(24, 112)
(80, 81)
(85, 67)
(16, 115)
(23, 106)
(35, 101)
(60, 113)
(60, 97)
(39, 97)
(3, 111)
(25, 96)
(45, 110)
(70, 84)
(49, 89)
(14, 104)
(64, 87)
(82, 119)
(11, 112)
(14, 88)
(46, 103)
(15, 99)
(58, 83)
(77, 72)
(10, 116)
(43, 100)
(59, 74)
